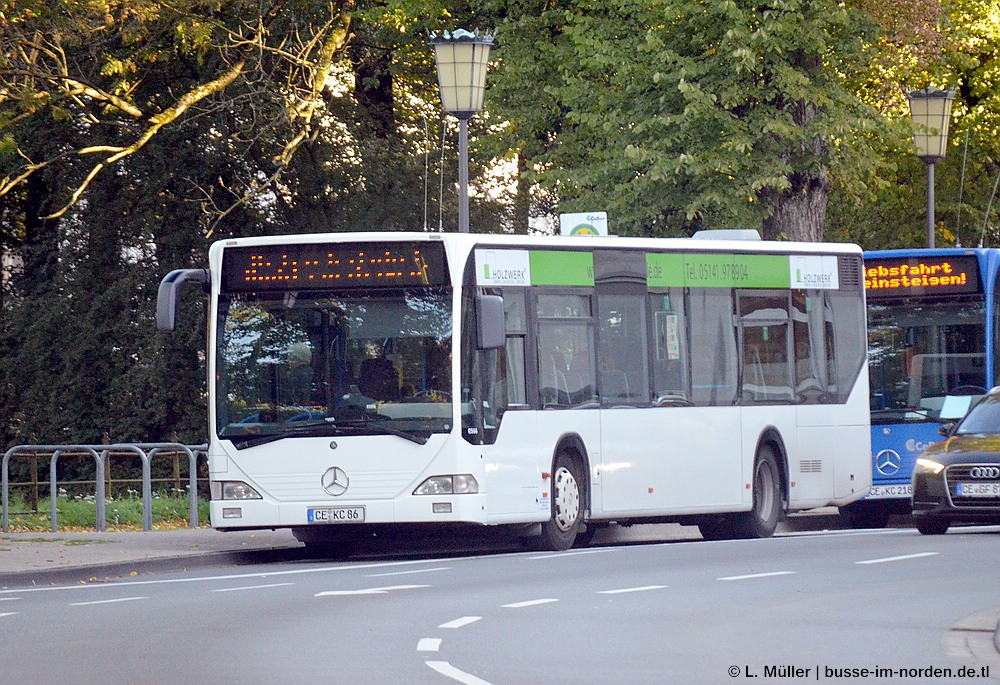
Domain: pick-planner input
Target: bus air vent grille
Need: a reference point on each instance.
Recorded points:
(811, 466)
(849, 269)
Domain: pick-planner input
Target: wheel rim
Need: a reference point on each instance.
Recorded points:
(567, 499)
(764, 485)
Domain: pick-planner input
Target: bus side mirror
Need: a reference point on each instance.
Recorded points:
(491, 333)
(169, 293)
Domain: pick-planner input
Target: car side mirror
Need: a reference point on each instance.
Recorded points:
(946, 428)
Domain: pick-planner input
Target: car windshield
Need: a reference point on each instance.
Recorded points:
(983, 418)
(921, 354)
(318, 363)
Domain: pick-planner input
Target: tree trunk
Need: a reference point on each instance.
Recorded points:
(799, 213)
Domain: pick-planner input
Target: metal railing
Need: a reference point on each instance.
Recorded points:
(100, 454)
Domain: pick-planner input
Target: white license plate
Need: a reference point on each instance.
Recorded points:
(889, 491)
(336, 515)
(978, 489)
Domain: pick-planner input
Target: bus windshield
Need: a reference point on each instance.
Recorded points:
(358, 362)
(921, 353)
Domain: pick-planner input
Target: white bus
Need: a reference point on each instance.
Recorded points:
(554, 385)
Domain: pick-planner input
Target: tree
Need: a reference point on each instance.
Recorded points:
(677, 115)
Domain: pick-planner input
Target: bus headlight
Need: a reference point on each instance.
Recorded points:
(930, 465)
(233, 490)
(459, 484)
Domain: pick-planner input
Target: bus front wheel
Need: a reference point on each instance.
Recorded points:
(560, 531)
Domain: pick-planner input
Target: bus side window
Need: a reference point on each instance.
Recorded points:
(623, 375)
(670, 368)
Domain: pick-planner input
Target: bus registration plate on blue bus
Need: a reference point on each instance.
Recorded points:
(336, 515)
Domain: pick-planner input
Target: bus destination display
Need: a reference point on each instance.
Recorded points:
(332, 265)
(907, 276)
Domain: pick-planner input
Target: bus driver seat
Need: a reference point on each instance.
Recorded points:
(379, 379)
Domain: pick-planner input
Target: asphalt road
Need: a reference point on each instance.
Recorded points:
(806, 608)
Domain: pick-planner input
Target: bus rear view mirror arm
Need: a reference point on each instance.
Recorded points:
(169, 293)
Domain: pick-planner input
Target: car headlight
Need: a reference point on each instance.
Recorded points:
(930, 465)
(460, 484)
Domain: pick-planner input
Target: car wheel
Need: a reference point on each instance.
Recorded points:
(932, 526)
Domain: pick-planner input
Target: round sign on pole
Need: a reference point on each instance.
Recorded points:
(584, 223)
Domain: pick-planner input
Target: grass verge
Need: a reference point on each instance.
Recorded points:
(80, 513)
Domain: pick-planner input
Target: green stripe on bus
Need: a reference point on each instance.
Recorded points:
(552, 267)
(669, 270)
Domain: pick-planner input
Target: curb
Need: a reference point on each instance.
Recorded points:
(122, 570)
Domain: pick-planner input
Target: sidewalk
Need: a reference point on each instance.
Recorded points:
(38, 558)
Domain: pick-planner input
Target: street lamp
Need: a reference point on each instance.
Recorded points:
(930, 110)
(461, 57)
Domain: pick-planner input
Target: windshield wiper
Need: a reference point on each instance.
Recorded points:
(361, 423)
(327, 426)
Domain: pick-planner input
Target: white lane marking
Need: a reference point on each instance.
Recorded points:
(234, 576)
(460, 622)
(429, 644)
(252, 587)
(621, 591)
(407, 573)
(9, 599)
(446, 669)
(367, 591)
(107, 601)
(560, 555)
(886, 560)
(9, 613)
(758, 575)
(529, 603)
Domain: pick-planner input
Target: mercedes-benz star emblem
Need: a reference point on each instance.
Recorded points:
(335, 481)
(887, 462)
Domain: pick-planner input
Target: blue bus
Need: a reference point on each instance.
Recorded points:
(932, 348)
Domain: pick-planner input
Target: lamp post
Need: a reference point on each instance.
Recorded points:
(930, 110)
(461, 57)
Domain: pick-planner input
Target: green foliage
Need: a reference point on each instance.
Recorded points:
(132, 132)
(124, 513)
(675, 115)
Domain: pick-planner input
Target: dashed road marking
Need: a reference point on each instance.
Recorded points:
(750, 576)
(252, 587)
(624, 590)
(367, 591)
(529, 603)
(446, 669)
(460, 622)
(407, 573)
(429, 644)
(904, 557)
(107, 601)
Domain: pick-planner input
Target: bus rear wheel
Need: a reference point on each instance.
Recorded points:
(768, 502)
(560, 531)
(768, 505)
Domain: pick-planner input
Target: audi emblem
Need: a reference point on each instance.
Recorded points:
(989, 472)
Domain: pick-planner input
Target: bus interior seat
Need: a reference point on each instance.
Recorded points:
(378, 378)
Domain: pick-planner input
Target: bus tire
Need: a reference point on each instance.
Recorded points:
(768, 500)
(865, 514)
(328, 542)
(560, 531)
